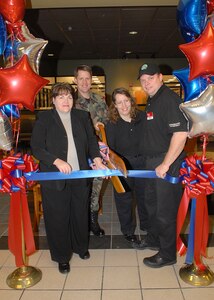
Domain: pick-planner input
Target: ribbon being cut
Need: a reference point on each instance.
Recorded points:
(18, 173)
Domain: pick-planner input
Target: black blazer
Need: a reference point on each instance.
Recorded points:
(49, 142)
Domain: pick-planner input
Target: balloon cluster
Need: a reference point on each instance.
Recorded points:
(20, 54)
(197, 173)
(195, 20)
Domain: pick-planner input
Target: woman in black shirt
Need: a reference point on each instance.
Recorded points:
(123, 131)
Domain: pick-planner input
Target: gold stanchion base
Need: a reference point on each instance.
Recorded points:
(24, 277)
(194, 276)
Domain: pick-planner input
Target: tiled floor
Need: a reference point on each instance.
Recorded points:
(114, 271)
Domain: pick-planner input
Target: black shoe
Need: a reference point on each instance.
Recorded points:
(143, 244)
(156, 261)
(131, 238)
(94, 225)
(98, 231)
(64, 268)
(86, 255)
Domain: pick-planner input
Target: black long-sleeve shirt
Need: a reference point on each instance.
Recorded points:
(124, 138)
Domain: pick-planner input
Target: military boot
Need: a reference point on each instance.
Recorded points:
(94, 225)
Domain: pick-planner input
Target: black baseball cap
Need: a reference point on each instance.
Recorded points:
(149, 69)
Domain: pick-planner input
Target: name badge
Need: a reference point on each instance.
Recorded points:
(149, 115)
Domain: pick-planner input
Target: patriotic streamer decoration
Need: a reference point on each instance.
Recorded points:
(12, 181)
(198, 177)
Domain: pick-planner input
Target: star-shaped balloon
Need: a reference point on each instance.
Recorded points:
(3, 35)
(200, 112)
(200, 53)
(20, 84)
(192, 88)
(188, 37)
(210, 6)
(6, 136)
(33, 49)
(191, 17)
(11, 49)
(10, 110)
(12, 10)
(31, 46)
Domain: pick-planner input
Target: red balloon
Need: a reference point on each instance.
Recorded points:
(19, 84)
(210, 6)
(12, 10)
(200, 53)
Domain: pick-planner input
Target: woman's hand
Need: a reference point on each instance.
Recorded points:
(96, 126)
(63, 166)
(99, 165)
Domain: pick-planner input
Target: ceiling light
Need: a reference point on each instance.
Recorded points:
(50, 54)
(133, 32)
(128, 52)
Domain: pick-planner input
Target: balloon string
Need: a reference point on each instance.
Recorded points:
(208, 79)
(210, 16)
(11, 58)
(205, 142)
(16, 132)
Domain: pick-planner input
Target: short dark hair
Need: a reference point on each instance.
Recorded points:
(60, 88)
(82, 68)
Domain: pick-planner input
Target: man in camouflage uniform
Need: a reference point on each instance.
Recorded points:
(96, 106)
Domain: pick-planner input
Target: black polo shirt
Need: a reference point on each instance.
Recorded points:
(125, 137)
(163, 118)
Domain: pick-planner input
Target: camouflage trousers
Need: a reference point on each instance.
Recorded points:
(95, 193)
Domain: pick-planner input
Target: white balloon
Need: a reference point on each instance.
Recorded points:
(31, 46)
(6, 136)
(200, 112)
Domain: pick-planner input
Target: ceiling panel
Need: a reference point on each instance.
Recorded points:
(103, 33)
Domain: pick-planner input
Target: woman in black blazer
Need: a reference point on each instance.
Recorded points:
(62, 140)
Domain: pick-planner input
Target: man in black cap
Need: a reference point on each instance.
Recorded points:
(164, 137)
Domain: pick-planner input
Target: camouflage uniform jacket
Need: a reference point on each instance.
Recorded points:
(96, 106)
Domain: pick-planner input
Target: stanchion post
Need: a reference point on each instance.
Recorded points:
(24, 276)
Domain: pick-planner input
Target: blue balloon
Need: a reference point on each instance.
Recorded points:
(10, 110)
(3, 35)
(191, 17)
(11, 48)
(188, 37)
(192, 88)
(211, 78)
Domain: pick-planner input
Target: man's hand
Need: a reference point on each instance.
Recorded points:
(161, 170)
(175, 148)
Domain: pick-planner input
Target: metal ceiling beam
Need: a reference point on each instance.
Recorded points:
(97, 3)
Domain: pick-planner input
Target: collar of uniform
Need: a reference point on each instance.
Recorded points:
(159, 92)
(133, 121)
(81, 97)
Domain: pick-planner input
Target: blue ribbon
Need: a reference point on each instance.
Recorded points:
(191, 238)
(16, 173)
(41, 176)
(73, 175)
